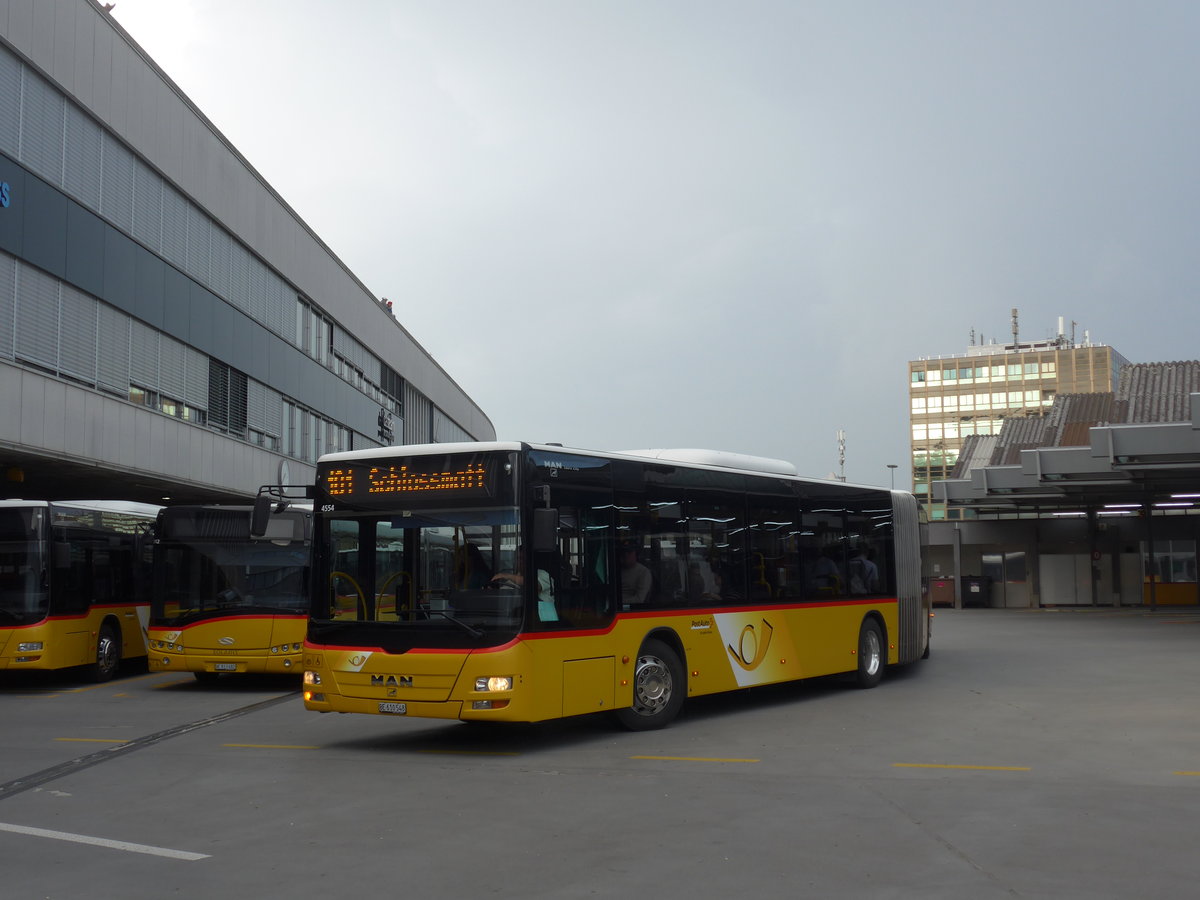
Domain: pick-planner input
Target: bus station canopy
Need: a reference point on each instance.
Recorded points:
(1146, 464)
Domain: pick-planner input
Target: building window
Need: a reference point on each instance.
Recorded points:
(143, 396)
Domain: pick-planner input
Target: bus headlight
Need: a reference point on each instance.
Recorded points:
(29, 647)
(494, 683)
(311, 677)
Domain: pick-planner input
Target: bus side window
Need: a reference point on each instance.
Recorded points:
(579, 568)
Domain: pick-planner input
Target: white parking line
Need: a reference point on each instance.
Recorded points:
(102, 842)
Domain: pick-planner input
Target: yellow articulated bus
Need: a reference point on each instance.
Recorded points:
(519, 582)
(74, 584)
(227, 602)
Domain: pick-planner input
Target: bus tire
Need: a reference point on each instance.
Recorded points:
(870, 654)
(659, 687)
(108, 654)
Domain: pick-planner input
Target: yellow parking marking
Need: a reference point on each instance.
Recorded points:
(95, 740)
(715, 759)
(169, 684)
(1188, 773)
(275, 746)
(975, 768)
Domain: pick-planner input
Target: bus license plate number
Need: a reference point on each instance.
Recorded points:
(397, 708)
(225, 667)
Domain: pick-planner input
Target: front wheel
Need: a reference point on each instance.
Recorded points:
(870, 654)
(659, 686)
(108, 655)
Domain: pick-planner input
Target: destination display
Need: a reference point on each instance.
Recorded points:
(383, 483)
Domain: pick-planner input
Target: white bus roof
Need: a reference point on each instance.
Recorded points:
(716, 458)
(117, 506)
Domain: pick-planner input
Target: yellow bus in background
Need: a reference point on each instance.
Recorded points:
(225, 602)
(74, 584)
(522, 582)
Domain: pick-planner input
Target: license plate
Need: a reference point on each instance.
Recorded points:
(225, 667)
(398, 708)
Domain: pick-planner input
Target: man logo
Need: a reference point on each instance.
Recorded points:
(391, 681)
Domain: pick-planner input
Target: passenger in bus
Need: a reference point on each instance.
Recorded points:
(864, 574)
(826, 579)
(635, 578)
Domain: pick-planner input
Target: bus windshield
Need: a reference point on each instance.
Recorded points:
(443, 577)
(24, 598)
(201, 579)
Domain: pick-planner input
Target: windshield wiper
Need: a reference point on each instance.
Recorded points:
(470, 629)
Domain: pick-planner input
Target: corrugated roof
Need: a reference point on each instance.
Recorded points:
(1016, 434)
(975, 453)
(1073, 414)
(1158, 392)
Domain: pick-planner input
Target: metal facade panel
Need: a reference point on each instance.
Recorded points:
(116, 201)
(54, 414)
(75, 436)
(10, 103)
(11, 408)
(113, 352)
(78, 340)
(42, 120)
(82, 171)
(147, 207)
(37, 317)
(8, 304)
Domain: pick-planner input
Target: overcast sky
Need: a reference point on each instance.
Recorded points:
(622, 224)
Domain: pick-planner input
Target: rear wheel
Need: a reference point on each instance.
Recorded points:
(108, 654)
(659, 686)
(870, 654)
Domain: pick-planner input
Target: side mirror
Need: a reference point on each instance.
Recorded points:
(545, 530)
(261, 515)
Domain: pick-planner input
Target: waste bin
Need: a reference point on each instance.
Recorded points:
(941, 591)
(976, 590)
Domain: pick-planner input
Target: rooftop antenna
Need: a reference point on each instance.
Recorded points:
(972, 337)
(1014, 323)
(841, 439)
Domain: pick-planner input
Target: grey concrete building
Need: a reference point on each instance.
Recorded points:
(169, 326)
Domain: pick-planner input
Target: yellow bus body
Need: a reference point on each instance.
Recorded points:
(559, 674)
(264, 645)
(69, 641)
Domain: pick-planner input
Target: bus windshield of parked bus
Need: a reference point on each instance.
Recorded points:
(207, 566)
(24, 598)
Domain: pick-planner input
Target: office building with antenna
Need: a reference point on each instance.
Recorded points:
(953, 397)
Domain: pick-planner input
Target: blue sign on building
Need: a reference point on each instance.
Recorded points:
(4, 193)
